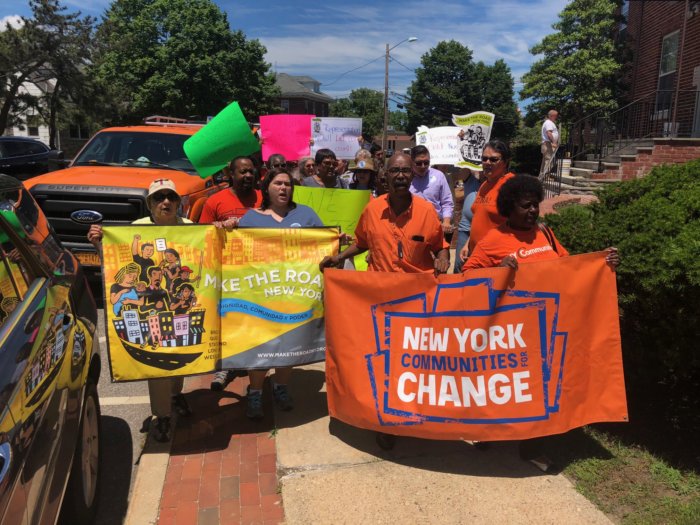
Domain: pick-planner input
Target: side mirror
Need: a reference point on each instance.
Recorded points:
(58, 164)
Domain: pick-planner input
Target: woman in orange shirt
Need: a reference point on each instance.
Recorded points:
(495, 161)
(521, 238)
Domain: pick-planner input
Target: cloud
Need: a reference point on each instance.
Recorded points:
(12, 20)
(330, 39)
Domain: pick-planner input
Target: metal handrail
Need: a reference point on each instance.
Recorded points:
(602, 134)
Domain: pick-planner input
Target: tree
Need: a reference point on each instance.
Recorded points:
(449, 82)
(180, 57)
(445, 84)
(497, 96)
(50, 50)
(580, 67)
(367, 104)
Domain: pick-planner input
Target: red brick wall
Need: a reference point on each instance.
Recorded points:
(648, 22)
(665, 151)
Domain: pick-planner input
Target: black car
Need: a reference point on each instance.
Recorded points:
(49, 369)
(23, 157)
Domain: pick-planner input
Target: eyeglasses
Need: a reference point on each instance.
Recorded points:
(162, 195)
(494, 160)
(279, 165)
(421, 163)
(246, 170)
(328, 162)
(396, 171)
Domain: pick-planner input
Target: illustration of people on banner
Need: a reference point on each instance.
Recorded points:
(184, 300)
(160, 318)
(476, 129)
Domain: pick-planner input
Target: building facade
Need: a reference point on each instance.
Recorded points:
(301, 95)
(664, 74)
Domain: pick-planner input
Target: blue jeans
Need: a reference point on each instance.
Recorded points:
(462, 238)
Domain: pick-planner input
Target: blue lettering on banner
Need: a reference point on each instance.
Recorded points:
(247, 307)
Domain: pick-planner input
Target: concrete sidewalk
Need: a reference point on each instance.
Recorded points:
(333, 473)
(225, 469)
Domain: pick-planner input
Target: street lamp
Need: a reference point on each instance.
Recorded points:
(386, 88)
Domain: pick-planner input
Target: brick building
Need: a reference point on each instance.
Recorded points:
(664, 73)
(302, 96)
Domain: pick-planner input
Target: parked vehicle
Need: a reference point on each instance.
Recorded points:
(49, 369)
(108, 180)
(24, 157)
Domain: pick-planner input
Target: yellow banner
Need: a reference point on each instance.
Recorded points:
(271, 296)
(192, 299)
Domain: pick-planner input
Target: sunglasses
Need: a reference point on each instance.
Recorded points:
(422, 163)
(396, 171)
(246, 170)
(279, 165)
(162, 195)
(491, 159)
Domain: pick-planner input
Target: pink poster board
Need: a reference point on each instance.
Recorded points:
(286, 134)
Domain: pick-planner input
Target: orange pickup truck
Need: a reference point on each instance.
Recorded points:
(108, 180)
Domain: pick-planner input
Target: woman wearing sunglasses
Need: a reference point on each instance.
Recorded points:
(165, 393)
(495, 161)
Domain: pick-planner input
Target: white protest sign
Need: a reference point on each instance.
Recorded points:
(477, 131)
(337, 134)
(442, 143)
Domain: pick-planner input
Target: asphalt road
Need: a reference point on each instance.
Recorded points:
(124, 408)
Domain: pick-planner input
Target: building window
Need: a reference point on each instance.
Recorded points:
(667, 74)
(624, 16)
(77, 131)
(285, 105)
(33, 123)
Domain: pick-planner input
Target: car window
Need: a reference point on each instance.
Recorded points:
(122, 148)
(36, 148)
(16, 148)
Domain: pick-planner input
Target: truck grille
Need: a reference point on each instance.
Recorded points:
(118, 206)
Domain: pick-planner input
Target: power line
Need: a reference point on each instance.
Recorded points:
(403, 65)
(353, 69)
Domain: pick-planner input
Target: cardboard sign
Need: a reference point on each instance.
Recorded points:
(337, 134)
(288, 135)
(224, 138)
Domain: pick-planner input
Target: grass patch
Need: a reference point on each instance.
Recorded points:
(626, 482)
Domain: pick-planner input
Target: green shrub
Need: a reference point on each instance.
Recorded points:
(526, 159)
(655, 223)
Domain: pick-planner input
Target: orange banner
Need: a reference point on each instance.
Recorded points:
(491, 355)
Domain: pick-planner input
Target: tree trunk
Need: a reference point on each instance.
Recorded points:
(54, 102)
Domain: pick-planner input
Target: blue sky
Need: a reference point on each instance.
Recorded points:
(326, 39)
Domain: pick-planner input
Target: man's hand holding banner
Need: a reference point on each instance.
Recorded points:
(492, 355)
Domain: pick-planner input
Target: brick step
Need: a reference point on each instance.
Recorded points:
(603, 178)
(581, 172)
(593, 164)
(578, 190)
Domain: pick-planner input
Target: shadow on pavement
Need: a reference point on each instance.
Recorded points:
(310, 402)
(216, 417)
(115, 471)
(495, 459)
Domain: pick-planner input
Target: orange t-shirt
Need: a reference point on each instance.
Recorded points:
(400, 244)
(502, 241)
(226, 204)
(485, 213)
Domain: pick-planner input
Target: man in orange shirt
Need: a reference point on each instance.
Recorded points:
(495, 161)
(234, 202)
(401, 231)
